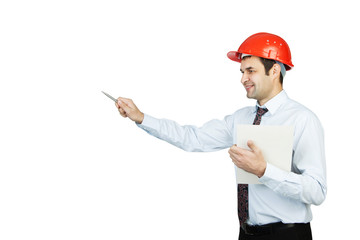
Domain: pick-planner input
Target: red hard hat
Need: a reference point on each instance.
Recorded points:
(265, 45)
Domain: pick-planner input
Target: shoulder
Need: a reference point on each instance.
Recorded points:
(302, 115)
(299, 110)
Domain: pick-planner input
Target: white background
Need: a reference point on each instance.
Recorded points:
(72, 168)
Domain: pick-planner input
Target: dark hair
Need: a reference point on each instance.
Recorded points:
(268, 64)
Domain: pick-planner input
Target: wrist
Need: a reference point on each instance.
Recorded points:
(261, 171)
(140, 119)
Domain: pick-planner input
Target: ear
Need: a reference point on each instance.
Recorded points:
(276, 71)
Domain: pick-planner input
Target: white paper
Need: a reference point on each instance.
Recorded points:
(275, 142)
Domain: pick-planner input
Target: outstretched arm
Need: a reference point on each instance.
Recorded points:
(213, 135)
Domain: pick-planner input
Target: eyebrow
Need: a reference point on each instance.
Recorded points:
(248, 68)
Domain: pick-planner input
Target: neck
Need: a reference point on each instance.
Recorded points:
(275, 92)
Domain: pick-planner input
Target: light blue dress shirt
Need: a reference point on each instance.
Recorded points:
(284, 196)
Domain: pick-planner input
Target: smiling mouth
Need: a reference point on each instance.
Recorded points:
(248, 87)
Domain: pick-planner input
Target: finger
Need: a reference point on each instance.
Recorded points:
(118, 102)
(237, 150)
(121, 100)
(126, 101)
(233, 148)
(231, 153)
(123, 105)
(252, 146)
(237, 162)
(232, 158)
(122, 112)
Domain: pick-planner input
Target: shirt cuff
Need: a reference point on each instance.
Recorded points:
(273, 175)
(149, 123)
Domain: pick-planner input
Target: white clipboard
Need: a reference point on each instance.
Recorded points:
(275, 142)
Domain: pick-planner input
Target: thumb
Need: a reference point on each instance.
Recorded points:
(125, 101)
(252, 146)
(123, 105)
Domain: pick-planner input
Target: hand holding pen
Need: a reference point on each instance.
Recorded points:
(127, 108)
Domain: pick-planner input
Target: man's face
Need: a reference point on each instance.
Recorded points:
(257, 84)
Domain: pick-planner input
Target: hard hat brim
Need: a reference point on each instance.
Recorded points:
(234, 55)
(237, 56)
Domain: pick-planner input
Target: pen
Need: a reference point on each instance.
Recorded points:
(109, 96)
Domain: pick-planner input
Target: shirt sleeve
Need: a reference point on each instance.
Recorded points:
(213, 135)
(307, 180)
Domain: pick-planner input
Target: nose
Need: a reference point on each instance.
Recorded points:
(244, 78)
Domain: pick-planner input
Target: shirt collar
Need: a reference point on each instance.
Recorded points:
(273, 104)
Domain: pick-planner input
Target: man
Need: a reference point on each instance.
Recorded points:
(279, 208)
